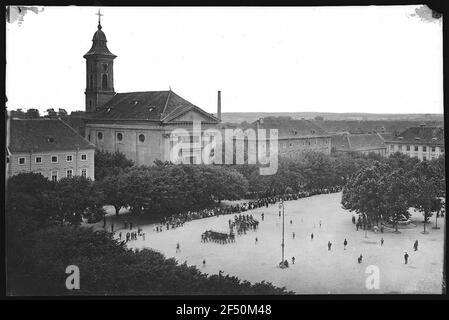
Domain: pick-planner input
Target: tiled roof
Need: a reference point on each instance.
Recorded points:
(366, 141)
(290, 128)
(421, 135)
(148, 105)
(358, 142)
(42, 135)
(340, 142)
(386, 135)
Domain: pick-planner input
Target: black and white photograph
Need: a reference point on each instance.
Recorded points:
(224, 151)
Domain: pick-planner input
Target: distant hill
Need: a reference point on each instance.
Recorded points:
(238, 117)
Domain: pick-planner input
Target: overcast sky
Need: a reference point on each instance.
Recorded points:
(328, 59)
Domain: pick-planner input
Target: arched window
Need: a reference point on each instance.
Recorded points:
(100, 135)
(119, 136)
(142, 138)
(104, 81)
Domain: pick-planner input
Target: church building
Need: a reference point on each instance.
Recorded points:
(138, 124)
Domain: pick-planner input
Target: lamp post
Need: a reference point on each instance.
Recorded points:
(281, 204)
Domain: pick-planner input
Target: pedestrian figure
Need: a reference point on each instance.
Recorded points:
(130, 225)
(345, 243)
(177, 247)
(120, 236)
(293, 260)
(320, 223)
(256, 240)
(293, 235)
(406, 257)
(353, 219)
(204, 262)
(415, 245)
(381, 228)
(263, 216)
(382, 241)
(112, 228)
(329, 245)
(360, 258)
(291, 221)
(311, 236)
(143, 236)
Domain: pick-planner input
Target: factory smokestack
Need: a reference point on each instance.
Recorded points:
(219, 106)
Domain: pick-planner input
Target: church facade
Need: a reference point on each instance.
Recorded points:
(138, 124)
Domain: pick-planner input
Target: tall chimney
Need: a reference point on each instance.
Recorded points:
(219, 106)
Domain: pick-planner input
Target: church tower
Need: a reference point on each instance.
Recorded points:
(99, 71)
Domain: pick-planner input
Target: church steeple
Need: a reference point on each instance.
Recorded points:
(99, 71)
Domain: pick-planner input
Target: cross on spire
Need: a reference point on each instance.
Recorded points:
(99, 16)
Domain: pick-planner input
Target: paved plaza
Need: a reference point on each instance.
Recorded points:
(316, 270)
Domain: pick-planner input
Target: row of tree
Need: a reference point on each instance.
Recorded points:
(168, 188)
(162, 189)
(35, 114)
(384, 191)
(312, 170)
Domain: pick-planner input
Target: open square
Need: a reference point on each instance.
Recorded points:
(316, 270)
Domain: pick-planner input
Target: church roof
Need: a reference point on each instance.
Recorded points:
(44, 135)
(161, 106)
(99, 46)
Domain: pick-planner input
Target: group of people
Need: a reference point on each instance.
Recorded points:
(132, 235)
(243, 223)
(218, 237)
(178, 220)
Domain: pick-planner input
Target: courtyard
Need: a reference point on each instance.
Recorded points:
(317, 270)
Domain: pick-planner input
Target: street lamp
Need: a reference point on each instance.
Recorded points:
(281, 205)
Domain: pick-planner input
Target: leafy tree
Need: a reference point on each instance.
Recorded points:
(364, 192)
(62, 113)
(107, 164)
(395, 190)
(426, 184)
(400, 160)
(224, 183)
(109, 268)
(75, 196)
(27, 209)
(114, 189)
(32, 114)
(27, 194)
(317, 170)
(439, 166)
(51, 113)
(17, 114)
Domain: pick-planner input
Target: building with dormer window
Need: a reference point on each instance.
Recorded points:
(423, 142)
(50, 147)
(137, 124)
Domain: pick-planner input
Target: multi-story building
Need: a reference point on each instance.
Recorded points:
(360, 143)
(294, 136)
(423, 142)
(50, 147)
(138, 124)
